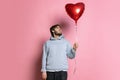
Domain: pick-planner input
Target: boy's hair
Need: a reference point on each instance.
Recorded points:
(52, 28)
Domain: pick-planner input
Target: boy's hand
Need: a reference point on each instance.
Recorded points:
(75, 46)
(44, 75)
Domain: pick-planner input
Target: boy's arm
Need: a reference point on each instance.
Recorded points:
(70, 51)
(44, 56)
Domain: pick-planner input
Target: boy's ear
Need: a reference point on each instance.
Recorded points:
(52, 31)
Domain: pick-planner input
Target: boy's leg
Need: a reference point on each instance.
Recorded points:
(63, 75)
(57, 76)
(50, 76)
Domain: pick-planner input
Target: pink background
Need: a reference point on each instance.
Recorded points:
(24, 27)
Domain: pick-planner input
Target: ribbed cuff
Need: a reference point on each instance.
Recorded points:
(43, 70)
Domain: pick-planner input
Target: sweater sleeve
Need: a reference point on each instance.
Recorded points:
(70, 51)
(44, 56)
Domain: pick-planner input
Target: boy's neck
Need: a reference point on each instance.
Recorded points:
(56, 36)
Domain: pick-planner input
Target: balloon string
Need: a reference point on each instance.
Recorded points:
(76, 36)
(74, 67)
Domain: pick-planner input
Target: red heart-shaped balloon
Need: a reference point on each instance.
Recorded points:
(75, 11)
